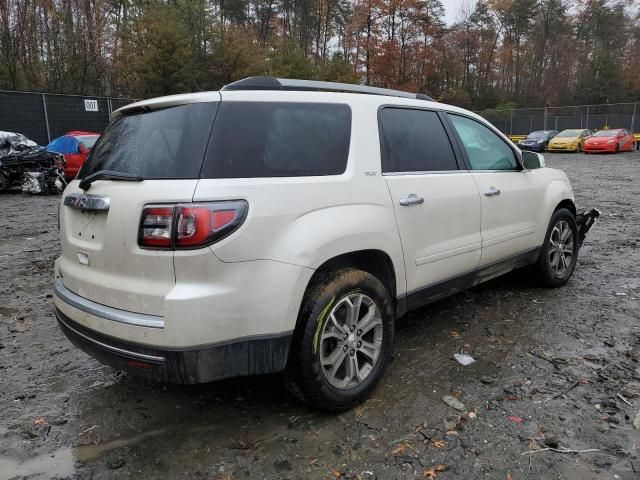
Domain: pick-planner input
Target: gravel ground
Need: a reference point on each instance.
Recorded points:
(555, 369)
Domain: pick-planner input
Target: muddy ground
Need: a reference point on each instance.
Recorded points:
(553, 367)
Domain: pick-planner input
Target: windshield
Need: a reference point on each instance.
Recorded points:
(537, 135)
(166, 143)
(569, 133)
(607, 133)
(88, 141)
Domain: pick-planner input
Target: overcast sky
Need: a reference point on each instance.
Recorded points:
(450, 10)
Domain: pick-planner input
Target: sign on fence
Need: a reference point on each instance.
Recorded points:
(91, 105)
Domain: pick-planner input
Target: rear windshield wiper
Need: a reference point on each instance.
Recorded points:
(86, 182)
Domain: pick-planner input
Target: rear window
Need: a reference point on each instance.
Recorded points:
(267, 139)
(167, 143)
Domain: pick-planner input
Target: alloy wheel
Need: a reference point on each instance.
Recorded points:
(561, 248)
(351, 341)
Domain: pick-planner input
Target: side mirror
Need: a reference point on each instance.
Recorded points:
(532, 160)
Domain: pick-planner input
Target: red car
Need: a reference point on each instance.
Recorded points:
(610, 141)
(75, 147)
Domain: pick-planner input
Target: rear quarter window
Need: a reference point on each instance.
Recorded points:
(159, 144)
(278, 139)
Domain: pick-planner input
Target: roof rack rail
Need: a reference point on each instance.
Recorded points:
(272, 83)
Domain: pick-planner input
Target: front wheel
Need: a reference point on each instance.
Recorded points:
(559, 253)
(343, 342)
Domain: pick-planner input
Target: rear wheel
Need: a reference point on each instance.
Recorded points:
(343, 341)
(559, 252)
(617, 147)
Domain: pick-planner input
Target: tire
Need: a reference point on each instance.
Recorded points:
(317, 337)
(578, 148)
(552, 270)
(617, 148)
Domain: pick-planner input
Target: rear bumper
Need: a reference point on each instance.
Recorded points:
(205, 363)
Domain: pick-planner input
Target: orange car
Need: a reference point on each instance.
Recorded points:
(610, 141)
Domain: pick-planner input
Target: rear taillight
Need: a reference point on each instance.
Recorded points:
(156, 229)
(190, 225)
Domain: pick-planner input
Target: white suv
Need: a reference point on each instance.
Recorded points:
(284, 225)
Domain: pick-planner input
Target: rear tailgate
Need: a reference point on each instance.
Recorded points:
(101, 259)
(162, 143)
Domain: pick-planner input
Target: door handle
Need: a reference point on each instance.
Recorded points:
(412, 199)
(492, 192)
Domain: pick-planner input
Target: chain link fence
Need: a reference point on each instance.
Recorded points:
(44, 116)
(522, 121)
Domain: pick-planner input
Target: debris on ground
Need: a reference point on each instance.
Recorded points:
(453, 402)
(463, 359)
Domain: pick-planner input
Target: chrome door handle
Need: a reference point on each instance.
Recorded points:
(412, 199)
(492, 192)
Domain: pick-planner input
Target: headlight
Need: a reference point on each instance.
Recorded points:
(540, 141)
(612, 141)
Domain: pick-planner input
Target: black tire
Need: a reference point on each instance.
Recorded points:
(546, 273)
(304, 376)
(617, 148)
(4, 182)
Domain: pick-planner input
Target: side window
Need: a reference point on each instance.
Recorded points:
(414, 141)
(278, 139)
(485, 149)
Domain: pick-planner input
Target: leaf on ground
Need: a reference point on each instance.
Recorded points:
(336, 473)
(402, 448)
(509, 477)
(514, 419)
(40, 421)
(454, 334)
(437, 443)
(431, 473)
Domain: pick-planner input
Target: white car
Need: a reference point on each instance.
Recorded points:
(284, 225)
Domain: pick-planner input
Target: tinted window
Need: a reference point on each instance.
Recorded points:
(260, 139)
(414, 141)
(485, 149)
(167, 143)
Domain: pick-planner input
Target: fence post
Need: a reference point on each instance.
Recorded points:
(545, 118)
(587, 124)
(633, 118)
(46, 117)
(530, 123)
(511, 123)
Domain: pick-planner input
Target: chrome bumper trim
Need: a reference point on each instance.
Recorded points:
(111, 348)
(102, 311)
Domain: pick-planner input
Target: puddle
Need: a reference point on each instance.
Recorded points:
(87, 453)
(57, 464)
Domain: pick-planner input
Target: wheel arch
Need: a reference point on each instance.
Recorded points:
(568, 204)
(373, 261)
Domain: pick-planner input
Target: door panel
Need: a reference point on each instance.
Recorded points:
(437, 205)
(509, 217)
(440, 237)
(509, 195)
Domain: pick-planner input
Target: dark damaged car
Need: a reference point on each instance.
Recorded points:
(23, 163)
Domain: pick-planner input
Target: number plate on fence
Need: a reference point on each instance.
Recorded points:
(91, 105)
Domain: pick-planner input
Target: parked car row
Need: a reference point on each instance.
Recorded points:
(579, 140)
